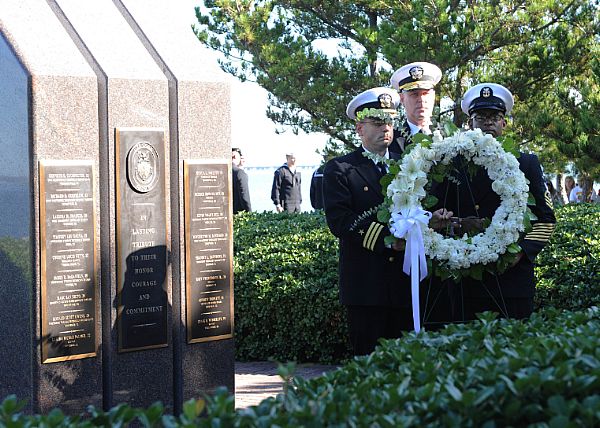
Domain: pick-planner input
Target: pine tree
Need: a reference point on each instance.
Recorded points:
(529, 46)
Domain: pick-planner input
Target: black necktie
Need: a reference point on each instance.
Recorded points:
(382, 169)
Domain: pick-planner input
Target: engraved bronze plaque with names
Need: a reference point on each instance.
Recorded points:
(208, 250)
(141, 229)
(68, 263)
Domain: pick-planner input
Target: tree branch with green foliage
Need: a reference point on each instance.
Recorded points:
(528, 46)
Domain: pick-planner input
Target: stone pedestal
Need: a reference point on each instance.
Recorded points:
(102, 105)
(200, 107)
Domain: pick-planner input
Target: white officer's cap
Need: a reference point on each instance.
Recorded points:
(384, 99)
(491, 96)
(416, 75)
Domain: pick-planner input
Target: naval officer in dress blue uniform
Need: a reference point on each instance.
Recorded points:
(372, 285)
(510, 293)
(415, 83)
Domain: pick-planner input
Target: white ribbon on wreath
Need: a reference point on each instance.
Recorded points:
(407, 220)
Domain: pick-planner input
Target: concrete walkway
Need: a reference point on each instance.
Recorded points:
(256, 381)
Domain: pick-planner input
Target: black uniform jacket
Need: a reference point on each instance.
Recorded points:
(286, 186)
(241, 192)
(402, 138)
(369, 273)
(475, 197)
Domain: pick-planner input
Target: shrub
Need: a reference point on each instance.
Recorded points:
(568, 271)
(486, 373)
(286, 289)
(286, 292)
(544, 372)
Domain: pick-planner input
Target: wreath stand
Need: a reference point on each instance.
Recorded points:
(439, 292)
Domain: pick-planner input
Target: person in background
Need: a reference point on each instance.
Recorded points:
(471, 196)
(316, 188)
(415, 83)
(241, 192)
(569, 184)
(286, 192)
(373, 287)
(576, 195)
(554, 196)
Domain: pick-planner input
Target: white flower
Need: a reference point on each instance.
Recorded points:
(408, 188)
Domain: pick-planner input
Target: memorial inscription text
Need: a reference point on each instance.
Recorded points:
(209, 297)
(142, 239)
(68, 264)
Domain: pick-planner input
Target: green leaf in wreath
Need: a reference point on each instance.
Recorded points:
(430, 201)
(438, 177)
(509, 145)
(385, 182)
(527, 220)
(389, 240)
(383, 215)
(422, 139)
(514, 248)
(450, 128)
(476, 271)
(442, 272)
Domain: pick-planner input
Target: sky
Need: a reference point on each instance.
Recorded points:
(253, 132)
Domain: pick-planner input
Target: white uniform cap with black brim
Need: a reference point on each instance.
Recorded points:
(380, 98)
(416, 75)
(487, 96)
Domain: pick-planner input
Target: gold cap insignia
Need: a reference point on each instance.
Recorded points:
(385, 100)
(486, 92)
(416, 72)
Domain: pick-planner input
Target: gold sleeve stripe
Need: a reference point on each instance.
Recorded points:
(536, 239)
(376, 231)
(537, 236)
(548, 200)
(543, 226)
(371, 235)
(542, 231)
(545, 235)
(367, 237)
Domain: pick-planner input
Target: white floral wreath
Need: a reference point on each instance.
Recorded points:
(407, 189)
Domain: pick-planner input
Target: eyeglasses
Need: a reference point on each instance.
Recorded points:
(483, 118)
(375, 122)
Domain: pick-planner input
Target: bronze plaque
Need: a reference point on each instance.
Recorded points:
(68, 263)
(141, 239)
(208, 250)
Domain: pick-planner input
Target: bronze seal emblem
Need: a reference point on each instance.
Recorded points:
(142, 167)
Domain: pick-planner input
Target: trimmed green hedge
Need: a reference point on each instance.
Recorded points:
(544, 372)
(286, 293)
(488, 373)
(568, 271)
